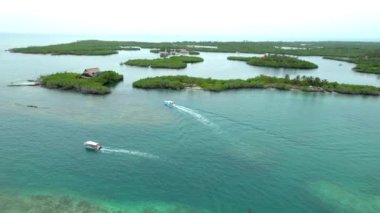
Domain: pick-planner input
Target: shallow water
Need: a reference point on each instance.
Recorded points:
(272, 151)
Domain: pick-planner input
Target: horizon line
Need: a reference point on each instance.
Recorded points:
(196, 37)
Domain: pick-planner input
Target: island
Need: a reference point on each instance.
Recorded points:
(364, 65)
(174, 62)
(366, 55)
(307, 84)
(155, 51)
(194, 52)
(175, 51)
(87, 47)
(89, 82)
(276, 61)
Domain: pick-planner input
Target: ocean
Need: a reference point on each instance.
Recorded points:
(232, 151)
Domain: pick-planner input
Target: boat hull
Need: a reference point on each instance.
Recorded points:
(169, 103)
(93, 148)
(91, 145)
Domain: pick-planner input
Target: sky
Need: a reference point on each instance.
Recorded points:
(233, 19)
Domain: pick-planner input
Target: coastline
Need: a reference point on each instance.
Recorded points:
(305, 84)
(362, 53)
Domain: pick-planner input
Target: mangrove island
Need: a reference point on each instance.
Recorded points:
(98, 83)
(366, 55)
(307, 84)
(276, 61)
(364, 64)
(174, 62)
(87, 47)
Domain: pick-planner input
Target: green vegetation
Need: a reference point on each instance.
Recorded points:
(365, 54)
(307, 84)
(366, 64)
(174, 62)
(277, 61)
(194, 52)
(88, 47)
(155, 51)
(188, 59)
(334, 49)
(129, 48)
(238, 58)
(98, 84)
(191, 52)
(345, 59)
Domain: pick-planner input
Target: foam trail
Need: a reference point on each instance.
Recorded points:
(195, 114)
(130, 152)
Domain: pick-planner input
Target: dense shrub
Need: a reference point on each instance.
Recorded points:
(276, 61)
(76, 82)
(307, 84)
(365, 54)
(174, 62)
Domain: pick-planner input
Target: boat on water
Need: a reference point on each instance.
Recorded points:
(24, 83)
(91, 145)
(169, 103)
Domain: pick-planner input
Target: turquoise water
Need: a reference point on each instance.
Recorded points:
(268, 150)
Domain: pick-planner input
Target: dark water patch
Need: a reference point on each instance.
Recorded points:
(337, 198)
(49, 203)
(40, 203)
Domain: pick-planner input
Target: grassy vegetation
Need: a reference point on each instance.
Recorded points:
(155, 51)
(174, 62)
(365, 65)
(238, 58)
(277, 61)
(345, 59)
(337, 49)
(307, 84)
(194, 52)
(98, 84)
(87, 47)
(129, 48)
(365, 54)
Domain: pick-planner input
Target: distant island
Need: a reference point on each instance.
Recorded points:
(307, 84)
(174, 62)
(276, 61)
(155, 51)
(366, 55)
(90, 82)
(88, 47)
(176, 51)
(365, 65)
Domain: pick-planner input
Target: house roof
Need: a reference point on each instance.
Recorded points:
(95, 69)
(91, 143)
(91, 71)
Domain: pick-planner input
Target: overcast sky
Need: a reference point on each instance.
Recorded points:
(242, 19)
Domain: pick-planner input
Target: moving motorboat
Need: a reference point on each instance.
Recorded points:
(169, 103)
(91, 145)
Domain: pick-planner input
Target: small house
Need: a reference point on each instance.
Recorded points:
(91, 72)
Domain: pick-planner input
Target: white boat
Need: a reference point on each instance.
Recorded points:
(169, 103)
(91, 145)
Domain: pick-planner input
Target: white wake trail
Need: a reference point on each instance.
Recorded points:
(195, 114)
(130, 152)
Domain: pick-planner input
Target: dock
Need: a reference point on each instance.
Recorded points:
(24, 83)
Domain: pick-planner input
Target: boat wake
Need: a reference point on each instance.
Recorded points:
(195, 114)
(130, 152)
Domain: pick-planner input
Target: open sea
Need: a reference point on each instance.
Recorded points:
(228, 152)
